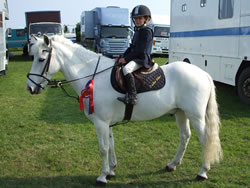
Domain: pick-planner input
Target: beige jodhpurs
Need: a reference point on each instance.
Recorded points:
(131, 67)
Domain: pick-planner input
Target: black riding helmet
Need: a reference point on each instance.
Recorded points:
(140, 10)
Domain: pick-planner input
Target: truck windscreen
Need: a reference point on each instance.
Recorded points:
(45, 29)
(161, 32)
(114, 32)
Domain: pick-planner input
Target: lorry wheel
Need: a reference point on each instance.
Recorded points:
(186, 60)
(6, 69)
(243, 86)
(25, 50)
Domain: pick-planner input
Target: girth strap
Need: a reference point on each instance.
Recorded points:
(128, 111)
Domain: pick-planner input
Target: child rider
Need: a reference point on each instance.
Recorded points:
(138, 54)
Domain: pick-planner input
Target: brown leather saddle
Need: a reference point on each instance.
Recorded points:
(145, 79)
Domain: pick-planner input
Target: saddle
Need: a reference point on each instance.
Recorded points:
(145, 79)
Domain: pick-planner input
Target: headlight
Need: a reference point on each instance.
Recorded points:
(102, 43)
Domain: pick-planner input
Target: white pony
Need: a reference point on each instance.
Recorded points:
(189, 94)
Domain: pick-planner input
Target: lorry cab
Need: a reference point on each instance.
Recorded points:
(113, 40)
(160, 25)
(41, 28)
(160, 39)
(42, 22)
(17, 38)
(48, 28)
(108, 29)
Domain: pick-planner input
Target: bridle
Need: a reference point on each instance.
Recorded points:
(44, 71)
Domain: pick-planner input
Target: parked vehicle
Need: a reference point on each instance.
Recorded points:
(160, 39)
(215, 36)
(17, 38)
(4, 15)
(109, 29)
(70, 32)
(42, 22)
(161, 27)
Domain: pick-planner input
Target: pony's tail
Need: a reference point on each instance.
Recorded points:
(212, 150)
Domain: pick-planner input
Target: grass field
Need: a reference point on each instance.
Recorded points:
(46, 141)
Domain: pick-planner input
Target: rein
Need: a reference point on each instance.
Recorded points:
(60, 83)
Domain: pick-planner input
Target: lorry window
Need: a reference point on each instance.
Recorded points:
(9, 32)
(226, 9)
(19, 33)
(184, 8)
(114, 32)
(45, 29)
(203, 3)
(1, 20)
(161, 32)
(83, 21)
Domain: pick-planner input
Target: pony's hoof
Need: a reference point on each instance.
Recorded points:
(168, 169)
(200, 178)
(108, 177)
(100, 184)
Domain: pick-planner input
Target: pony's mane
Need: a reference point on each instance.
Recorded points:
(78, 49)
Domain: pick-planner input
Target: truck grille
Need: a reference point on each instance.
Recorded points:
(117, 47)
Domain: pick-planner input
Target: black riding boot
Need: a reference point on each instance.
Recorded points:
(130, 97)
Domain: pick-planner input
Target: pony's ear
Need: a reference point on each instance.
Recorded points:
(33, 39)
(33, 36)
(46, 40)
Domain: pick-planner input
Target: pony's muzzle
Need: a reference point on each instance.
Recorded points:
(33, 90)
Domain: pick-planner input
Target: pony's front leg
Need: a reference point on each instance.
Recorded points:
(112, 156)
(102, 130)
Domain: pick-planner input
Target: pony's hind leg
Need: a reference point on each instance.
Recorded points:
(112, 156)
(184, 133)
(199, 126)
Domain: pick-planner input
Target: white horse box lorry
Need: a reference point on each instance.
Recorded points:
(4, 15)
(215, 36)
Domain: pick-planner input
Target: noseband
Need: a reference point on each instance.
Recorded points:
(45, 71)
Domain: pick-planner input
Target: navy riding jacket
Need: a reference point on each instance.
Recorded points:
(140, 49)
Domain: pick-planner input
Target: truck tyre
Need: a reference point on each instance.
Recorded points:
(6, 69)
(25, 50)
(243, 86)
(186, 60)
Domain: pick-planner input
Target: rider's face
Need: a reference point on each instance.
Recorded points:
(139, 21)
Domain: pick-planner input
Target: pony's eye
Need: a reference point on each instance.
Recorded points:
(41, 59)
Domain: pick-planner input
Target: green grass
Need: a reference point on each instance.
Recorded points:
(46, 141)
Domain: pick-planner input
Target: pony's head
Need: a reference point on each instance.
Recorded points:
(42, 68)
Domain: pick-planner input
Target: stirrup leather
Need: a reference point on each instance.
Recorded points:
(128, 99)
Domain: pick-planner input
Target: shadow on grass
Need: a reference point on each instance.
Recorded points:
(85, 181)
(18, 57)
(230, 105)
(57, 108)
(58, 181)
